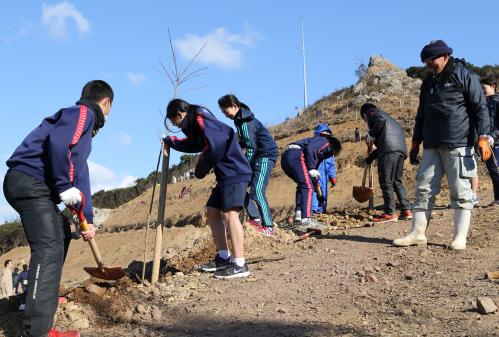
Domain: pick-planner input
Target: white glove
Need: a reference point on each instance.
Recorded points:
(314, 174)
(71, 196)
(490, 140)
(370, 139)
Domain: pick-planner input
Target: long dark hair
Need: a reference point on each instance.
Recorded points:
(228, 100)
(490, 80)
(175, 106)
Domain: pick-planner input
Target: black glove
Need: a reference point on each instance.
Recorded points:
(372, 157)
(413, 154)
(167, 140)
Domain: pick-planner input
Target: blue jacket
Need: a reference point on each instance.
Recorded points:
(56, 152)
(315, 149)
(327, 169)
(254, 137)
(218, 145)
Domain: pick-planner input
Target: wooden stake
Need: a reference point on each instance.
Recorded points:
(158, 246)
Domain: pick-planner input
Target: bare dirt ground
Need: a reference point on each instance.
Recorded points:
(346, 282)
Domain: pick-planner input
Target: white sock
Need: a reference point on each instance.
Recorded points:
(224, 254)
(238, 261)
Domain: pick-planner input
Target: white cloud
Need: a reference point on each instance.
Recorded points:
(222, 48)
(121, 138)
(56, 17)
(103, 178)
(136, 79)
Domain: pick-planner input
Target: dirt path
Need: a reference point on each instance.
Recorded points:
(344, 283)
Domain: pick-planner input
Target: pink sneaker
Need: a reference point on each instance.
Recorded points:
(266, 231)
(56, 333)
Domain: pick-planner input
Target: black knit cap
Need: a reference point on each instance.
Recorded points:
(435, 49)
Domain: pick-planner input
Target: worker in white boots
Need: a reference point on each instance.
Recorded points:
(452, 116)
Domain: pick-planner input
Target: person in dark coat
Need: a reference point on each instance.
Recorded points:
(391, 151)
(452, 117)
(489, 86)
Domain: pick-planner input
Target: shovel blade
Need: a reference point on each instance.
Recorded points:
(106, 273)
(362, 193)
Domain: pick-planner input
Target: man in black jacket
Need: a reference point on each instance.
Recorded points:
(451, 100)
(391, 151)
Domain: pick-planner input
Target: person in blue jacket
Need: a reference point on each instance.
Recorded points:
(49, 167)
(327, 171)
(261, 152)
(300, 161)
(220, 151)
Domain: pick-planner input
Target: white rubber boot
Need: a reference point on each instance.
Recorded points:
(417, 235)
(461, 225)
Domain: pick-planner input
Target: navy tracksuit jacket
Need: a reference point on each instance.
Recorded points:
(262, 153)
(218, 145)
(297, 162)
(56, 153)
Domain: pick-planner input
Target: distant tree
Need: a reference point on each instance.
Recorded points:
(423, 72)
(361, 70)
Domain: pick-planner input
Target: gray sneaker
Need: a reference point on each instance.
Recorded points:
(233, 271)
(307, 223)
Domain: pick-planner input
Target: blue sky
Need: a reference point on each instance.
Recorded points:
(50, 49)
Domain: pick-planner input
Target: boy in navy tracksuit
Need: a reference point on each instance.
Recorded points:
(49, 167)
(327, 171)
(300, 161)
(221, 152)
(261, 152)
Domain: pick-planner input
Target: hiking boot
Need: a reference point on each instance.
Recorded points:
(385, 218)
(215, 265)
(406, 215)
(474, 199)
(233, 271)
(255, 223)
(56, 333)
(266, 231)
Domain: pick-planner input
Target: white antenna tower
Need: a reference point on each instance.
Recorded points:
(305, 98)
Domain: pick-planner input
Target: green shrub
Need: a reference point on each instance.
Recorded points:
(11, 236)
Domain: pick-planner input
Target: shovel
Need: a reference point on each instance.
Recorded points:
(102, 272)
(362, 193)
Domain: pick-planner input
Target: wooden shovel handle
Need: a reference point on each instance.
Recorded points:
(365, 176)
